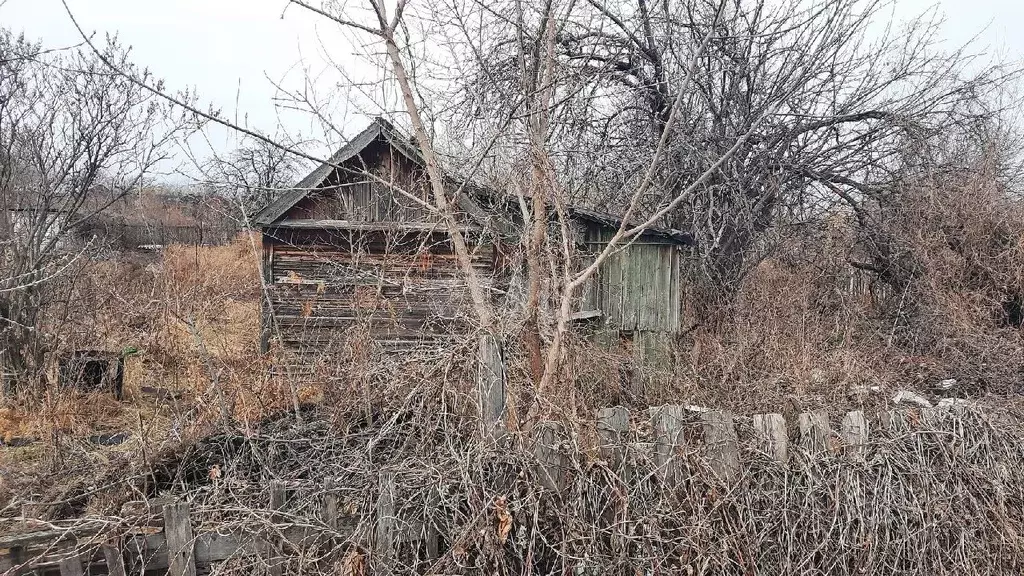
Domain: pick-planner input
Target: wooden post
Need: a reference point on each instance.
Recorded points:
(814, 431)
(893, 421)
(855, 432)
(721, 444)
(180, 541)
(386, 531)
(331, 512)
(667, 422)
(432, 538)
(771, 431)
(71, 566)
(549, 457)
(275, 559)
(612, 427)
(115, 562)
(490, 381)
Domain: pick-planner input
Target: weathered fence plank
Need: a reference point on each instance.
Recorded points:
(432, 536)
(721, 444)
(612, 429)
(550, 464)
(115, 561)
(770, 429)
(180, 541)
(893, 421)
(386, 531)
(668, 423)
(331, 509)
(275, 552)
(854, 428)
(814, 431)
(71, 566)
(490, 381)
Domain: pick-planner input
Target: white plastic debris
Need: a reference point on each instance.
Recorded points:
(947, 384)
(906, 396)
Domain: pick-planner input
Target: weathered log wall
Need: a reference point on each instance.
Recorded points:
(402, 288)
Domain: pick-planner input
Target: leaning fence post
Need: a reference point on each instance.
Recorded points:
(490, 381)
(771, 430)
(814, 431)
(721, 444)
(180, 540)
(612, 427)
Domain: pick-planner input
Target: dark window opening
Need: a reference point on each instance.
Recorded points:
(92, 371)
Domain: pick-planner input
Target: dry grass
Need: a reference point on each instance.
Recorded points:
(152, 307)
(807, 331)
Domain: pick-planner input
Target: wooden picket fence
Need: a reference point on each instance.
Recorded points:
(179, 550)
(669, 434)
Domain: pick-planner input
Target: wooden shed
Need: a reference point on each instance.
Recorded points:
(351, 248)
(636, 295)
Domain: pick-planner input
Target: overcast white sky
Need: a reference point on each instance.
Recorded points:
(230, 50)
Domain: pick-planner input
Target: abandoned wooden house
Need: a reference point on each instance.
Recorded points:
(352, 250)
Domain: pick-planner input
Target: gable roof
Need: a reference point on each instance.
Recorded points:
(670, 234)
(384, 130)
(378, 129)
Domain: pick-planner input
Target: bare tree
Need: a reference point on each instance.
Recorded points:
(73, 139)
(253, 174)
(844, 94)
(731, 118)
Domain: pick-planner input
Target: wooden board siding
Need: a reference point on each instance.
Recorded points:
(636, 288)
(401, 289)
(380, 189)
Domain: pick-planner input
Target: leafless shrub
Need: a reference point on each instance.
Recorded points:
(73, 140)
(940, 496)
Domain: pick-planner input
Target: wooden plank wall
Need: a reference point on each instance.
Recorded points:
(638, 288)
(404, 288)
(382, 190)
